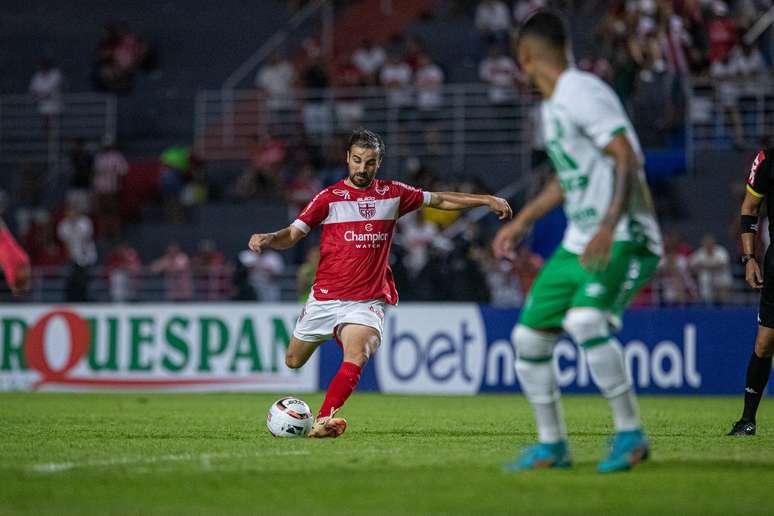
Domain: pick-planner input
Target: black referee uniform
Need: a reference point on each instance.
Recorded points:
(760, 185)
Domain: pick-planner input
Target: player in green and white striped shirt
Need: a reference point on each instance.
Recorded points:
(610, 249)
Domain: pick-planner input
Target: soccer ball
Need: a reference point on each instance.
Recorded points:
(289, 417)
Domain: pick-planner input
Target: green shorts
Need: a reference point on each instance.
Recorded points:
(563, 284)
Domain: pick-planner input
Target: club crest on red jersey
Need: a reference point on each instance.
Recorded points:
(367, 207)
(755, 166)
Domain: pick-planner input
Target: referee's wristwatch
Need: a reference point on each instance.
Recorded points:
(746, 258)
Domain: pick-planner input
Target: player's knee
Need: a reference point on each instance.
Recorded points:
(532, 344)
(293, 361)
(764, 346)
(585, 325)
(359, 356)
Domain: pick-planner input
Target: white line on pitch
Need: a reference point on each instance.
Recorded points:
(203, 458)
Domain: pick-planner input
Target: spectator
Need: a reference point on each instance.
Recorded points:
(428, 81)
(674, 39)
(262, 175)
(526, 265)
(175, 266)
(81, 172)
(418, 236)
(110, 166)
(396, 79)
(29, 197)
(713, 268)
(413, 50)
(493, 21)
(349, 98)
(316, 111)
(118, 56)
(748, 62)
(175, 167)
(369, 58)
(77, 233)
(301, 189)
(721, 32)
(674, 281)
(211, 272)
(123, 270)
(265, 270)
(46, 86)
(727, 89)
(523, 9)
(307, 273)
(498, 71)
(275, 81)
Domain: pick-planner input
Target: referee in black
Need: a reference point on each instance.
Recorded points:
(760, 188)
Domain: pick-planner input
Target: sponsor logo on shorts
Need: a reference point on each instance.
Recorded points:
(379, 313)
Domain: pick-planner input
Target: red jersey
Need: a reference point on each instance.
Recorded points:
(357, 231)
(12, 257)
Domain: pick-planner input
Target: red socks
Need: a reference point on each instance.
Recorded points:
(12, 257)
(340, 388)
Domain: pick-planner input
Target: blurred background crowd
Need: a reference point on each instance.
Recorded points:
(150, 206)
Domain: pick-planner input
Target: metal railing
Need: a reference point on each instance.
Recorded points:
(462, 122)
(26, 136)
(51, 285)
(719, 112)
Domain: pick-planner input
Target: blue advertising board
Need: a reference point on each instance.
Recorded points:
(466, 349)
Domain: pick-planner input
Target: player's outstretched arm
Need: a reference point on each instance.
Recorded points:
(509, 236)
(459, 201)
(282, 239)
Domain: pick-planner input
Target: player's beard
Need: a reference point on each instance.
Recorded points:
(361, 180)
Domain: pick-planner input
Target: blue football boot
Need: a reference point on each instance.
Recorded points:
(628, 449)
(540, 456)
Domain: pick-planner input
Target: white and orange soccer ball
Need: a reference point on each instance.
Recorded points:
(289, 417)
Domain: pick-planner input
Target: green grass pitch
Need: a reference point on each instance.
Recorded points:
(211, 453)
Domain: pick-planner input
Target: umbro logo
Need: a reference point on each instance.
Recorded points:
(750, 390)
(382, 190)
(595, 289)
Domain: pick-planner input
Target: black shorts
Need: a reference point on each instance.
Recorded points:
(766, 308)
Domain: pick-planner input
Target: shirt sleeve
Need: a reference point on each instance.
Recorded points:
(314, 213)
(411, 198)
(600, 116)
(759, 178)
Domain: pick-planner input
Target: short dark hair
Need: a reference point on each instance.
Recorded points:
(547, 25)
(367, 140)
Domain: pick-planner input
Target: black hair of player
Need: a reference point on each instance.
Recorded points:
(547, 25)
(367, 140)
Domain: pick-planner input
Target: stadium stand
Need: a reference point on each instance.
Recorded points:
(202, 156)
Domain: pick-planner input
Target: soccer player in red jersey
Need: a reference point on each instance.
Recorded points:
(354, 281)
(15, 262)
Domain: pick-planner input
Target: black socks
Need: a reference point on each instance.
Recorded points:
(758, 371)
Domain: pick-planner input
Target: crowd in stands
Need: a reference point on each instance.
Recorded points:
(638, 41)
